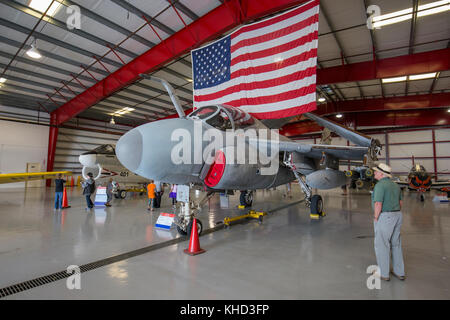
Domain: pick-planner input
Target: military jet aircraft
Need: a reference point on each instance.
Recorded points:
(148, 151)
(103, 161)
(420, 180)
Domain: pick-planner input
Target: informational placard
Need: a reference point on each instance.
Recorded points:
(224, 201)
(440, 198)
(100, 197)
(165, 220)
(183, 193)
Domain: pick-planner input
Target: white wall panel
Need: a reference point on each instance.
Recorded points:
(416, 136)
(19, 144)
(443, 165)
(408, 150)
(443, 149)
(442, 134)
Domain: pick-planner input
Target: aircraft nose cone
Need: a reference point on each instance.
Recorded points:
(129, 149)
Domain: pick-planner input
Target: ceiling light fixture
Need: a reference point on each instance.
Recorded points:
(42, 5)
(406, 14)
(339, 115)
(2, 80)
(112, 121)
(321, 99)
(422, 76)
(395, 79)
(34, 53)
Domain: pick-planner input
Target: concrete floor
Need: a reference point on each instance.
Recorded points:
(289, 256)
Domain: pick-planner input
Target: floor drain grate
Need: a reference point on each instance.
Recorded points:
(30, 284)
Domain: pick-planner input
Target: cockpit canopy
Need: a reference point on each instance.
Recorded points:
(103, 149)
(223, 117)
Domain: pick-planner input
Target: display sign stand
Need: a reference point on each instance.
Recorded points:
(100, 197)
(165, 221)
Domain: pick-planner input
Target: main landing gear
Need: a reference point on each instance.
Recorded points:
(314, 202)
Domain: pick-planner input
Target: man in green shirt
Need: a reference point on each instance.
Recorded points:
(387, 205)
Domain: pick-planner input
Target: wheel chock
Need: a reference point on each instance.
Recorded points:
(317, 216)
(241, 207)
(251, 214)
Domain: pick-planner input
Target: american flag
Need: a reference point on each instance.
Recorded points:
(267, 68)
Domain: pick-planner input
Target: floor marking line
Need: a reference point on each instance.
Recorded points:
(40, 281)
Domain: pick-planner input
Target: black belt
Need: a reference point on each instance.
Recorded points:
(393, 211)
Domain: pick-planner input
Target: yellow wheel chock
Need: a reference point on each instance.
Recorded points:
(317, 216)
(251, 214)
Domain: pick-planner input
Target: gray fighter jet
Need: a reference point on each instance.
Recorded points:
(148, 150)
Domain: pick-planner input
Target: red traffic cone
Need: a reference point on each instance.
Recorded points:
(194, 243)
(72, 182)
(65, 203)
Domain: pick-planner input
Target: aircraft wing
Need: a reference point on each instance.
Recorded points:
(402, 183)
(20, 177)
(373, 145)
(315, 150)
(440, 184)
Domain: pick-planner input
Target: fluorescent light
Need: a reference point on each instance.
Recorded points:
(42, 5)
(441, 7)
(395, 79)
(448, 110)
(392, 14)
(339, 115)
(406, 14)
(2, 80)
(422, 76)
(321, 99)
(392, 21)
(34, 53)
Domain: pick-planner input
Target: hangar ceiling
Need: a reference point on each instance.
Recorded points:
(115, 32)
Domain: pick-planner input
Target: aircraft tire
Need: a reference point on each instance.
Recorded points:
(122, 194)
(246, 198)
(316, 205)
(181, 231)
(199, 227)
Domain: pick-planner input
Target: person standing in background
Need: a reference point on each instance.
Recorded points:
(151, 195)
(158, 194)
(109, 192)
(59, 188)
(88, 189)
(173, 194)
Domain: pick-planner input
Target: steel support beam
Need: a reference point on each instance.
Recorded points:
(424, 62)
(425, 101)
(403, 118)
(213, 24)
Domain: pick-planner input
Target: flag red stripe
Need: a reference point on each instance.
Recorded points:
(275, 50)
(258, 85)
(297, 93)
(275, 34)
(286, 112)
(277, 19)
(276, 65)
